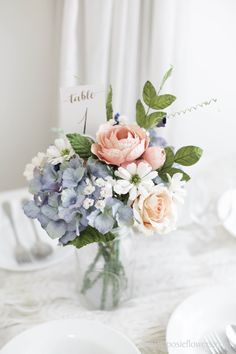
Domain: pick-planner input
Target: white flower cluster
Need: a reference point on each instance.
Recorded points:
(57, 153)
(106, 191)
(38, 161)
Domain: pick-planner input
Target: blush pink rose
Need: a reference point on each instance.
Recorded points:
(119, 144)
(155, 156)
(155, 212)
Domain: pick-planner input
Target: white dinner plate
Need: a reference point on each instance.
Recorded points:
(203, 313)
(227, 210)
(26, 235)
(70, 337)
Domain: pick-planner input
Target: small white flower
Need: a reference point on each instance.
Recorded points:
(100, 182)
(38, 161)
(100, 204)
(88, 202)
(106, 191)
(176, 187)
(60, 151)
(89, 189)
(135, 179)
(110, 180)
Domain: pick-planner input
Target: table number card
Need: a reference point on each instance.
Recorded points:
(82, 108)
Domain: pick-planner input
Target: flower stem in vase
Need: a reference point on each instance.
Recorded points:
(113, 274)
(87, 283)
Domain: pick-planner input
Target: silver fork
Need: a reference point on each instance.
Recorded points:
(215, 344)
(40, 249)
(21, 254)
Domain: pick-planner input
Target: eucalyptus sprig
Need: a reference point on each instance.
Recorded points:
(149, 116)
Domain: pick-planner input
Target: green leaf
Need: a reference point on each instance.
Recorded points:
(162, 101)
(165, 77)
(90, 235)
(109, 108)
(153, 119)
(170, 158)
(172, 171)
(140, 114)
(81, 144)
(168, 167)
(149, 93)
(188, 155)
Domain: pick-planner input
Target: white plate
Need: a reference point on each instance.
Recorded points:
(70, 337)
(205, 312)
(26, 234)
(227, 210)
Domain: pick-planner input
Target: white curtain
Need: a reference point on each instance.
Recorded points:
(117, 42)
(126, 42)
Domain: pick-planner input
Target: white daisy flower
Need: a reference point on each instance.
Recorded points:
(176, 187)
(87, 203)
(38, 161)
(60, 151)
(135, 179)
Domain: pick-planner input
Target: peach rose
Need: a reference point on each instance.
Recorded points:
(155, 213)
(155, 156)
(119, 144)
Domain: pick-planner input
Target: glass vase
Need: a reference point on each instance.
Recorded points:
(105, 271)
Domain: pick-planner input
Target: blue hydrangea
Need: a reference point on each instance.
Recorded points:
(58, 200)
(115, 213)
(97, 168)
(59, 195)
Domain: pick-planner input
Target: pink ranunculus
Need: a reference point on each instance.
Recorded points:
(155, 212)
(155, 156)
(119, 144)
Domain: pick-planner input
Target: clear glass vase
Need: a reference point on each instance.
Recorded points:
(105, 271)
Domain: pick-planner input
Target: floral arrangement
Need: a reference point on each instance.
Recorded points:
(84, 189)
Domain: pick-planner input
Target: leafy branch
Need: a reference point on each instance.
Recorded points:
(185, 156)
(154, 102)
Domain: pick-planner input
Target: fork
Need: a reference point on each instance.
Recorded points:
(215, 344)
(21, 254)
(40, 249)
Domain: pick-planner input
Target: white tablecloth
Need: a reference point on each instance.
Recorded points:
(169, 269)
